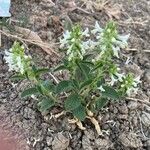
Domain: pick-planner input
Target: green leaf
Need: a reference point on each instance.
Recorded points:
(87, 56)
(46, 103)
(82, 72)
(49, 86)
(42, 71)
(80, 112)
(110, 93)
(18, 77)
(64, 86)
(87, 82)
(61, 67)
(75, 84)
(28, 92)
(101, 102)
(72, 102)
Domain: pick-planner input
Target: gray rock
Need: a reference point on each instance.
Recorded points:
(103, 144)
(90, 134)
(132, 105)
(123, 109)
(29, 113)
(147, 76)
(130, 140)
(49, 140)
(145, 117)
(60, 142)
(86, 143)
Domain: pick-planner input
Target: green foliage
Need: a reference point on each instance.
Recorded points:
(30, 91)
(72, 102)
(110, 93)
(101, 102)
(46, 103)
(94, 78)
(64, 86)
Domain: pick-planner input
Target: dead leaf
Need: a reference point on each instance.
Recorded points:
(32, 37)
(114, 11)
(104, 5)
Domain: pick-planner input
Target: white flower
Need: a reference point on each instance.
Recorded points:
(65, 38)
(20, 64)
(123, 38)
(85, 45)
(136, 81)
(14, 61)
(113, 40)
(113, 80)
(86, 32)
(101, 88)
(120, 76)
(116, 51)
(97, 28)
(131, 90)
(128, 61)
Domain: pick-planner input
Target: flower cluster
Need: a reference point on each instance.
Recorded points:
(73, 42)
(16, 59)
(129, 84)
(109, 40)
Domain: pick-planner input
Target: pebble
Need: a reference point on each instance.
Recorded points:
(86, 143)
(60, 142)
(49, 140)
(130, 140)
(132, 105)
(146, 119)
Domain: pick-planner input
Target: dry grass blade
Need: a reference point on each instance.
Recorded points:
(139, 100)
(80, 125)
(136, 50)
(46, 47)
(96, 124)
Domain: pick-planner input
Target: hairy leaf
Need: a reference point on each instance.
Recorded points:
(64, 86)
(110, 93)
(59, 68)
(42, 71)
(87, 82)
(18, 77)
(101, 102)
(72, 102)
(80, 112)
(30, 91)
(49, 86)
(46, 103)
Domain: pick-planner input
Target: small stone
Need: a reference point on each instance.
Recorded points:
(60, 142)
(103, 143)
(29, 113)
(130, 140)
(146, 119)
(86, 143)
(121, 116)
(147, 76)
(90, 134)
(147, 108)
(123, 109)
(132, 105)
(49, 140)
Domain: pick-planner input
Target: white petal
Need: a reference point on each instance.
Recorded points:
(123, 38)
(86, 32)
(101, 88)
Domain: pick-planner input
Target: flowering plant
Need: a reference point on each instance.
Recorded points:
(90, 60)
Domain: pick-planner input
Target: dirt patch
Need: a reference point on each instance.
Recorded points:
(125, 124)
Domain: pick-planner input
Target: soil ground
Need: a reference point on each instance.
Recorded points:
(126, 124)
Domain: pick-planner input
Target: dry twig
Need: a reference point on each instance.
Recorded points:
(136, 50)
(138, 100)
(38, 43)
